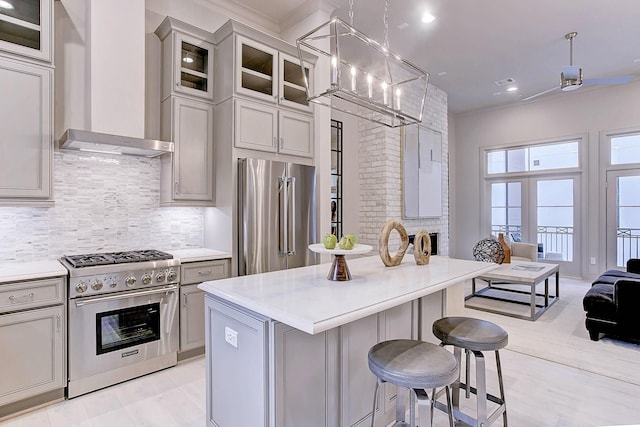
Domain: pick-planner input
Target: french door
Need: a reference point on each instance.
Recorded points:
(543, 210)
(623, 217)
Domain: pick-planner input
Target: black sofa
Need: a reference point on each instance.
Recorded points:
(612, 304)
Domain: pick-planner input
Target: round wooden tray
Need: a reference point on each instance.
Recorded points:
(339, 270)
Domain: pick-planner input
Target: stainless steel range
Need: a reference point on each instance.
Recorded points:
(123, 316)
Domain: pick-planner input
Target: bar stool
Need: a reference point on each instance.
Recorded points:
(415, 365)
(474, 336)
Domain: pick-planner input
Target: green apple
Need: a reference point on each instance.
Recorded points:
(352, 237)
(346, 243)
(329, 241)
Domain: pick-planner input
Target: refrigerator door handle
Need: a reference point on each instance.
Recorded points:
(291, 245)
(283, 228)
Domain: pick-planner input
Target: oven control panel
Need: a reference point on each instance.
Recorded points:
(97, 284)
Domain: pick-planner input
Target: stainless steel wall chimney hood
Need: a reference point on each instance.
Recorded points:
(74, 139)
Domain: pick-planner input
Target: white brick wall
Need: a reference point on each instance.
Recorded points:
(380, 176)
(103, 203)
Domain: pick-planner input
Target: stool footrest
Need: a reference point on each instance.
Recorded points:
(466, 419)
(490, 397)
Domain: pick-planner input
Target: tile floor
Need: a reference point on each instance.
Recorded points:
(540, 392)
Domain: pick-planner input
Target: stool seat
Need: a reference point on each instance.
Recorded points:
(413, 364)
(474, 336)
(470, 334)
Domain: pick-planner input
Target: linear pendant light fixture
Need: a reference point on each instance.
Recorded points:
(372, 82)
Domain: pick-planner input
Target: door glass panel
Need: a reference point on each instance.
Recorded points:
(555, 218)
(506, 208)
(20, 23)
(127, 327)
(628, 214)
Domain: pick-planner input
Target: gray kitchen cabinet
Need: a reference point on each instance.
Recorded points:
(191, 317)
(295, 353)
(265, 128)
(192, 327)
(253, 64)
(292, 90)
(33, 337)
(356, 340)
(187, 59)
(259, 84)
(26, 29)
(329, 368)
(187, 174)
(26, 134)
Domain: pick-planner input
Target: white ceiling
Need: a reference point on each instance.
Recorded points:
(477, 43)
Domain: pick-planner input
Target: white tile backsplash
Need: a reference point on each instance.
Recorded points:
(103, 203)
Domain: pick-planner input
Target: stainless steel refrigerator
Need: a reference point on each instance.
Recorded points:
(277, 215)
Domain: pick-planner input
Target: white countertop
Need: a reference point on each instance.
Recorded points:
(18, 271)
(198, 254)
(304, 299)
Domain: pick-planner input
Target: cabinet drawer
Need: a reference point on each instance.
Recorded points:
(198, 272)
(36, 293)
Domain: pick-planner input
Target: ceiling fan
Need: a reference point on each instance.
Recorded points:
(571, 75)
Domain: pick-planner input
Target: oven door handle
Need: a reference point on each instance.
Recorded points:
(165, 289)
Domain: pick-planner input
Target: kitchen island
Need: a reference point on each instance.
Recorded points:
(289, 348)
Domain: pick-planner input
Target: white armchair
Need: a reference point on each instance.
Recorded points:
(524, 251)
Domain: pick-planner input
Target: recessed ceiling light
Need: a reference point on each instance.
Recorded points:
(427, 17)
(512, 89)
(5, 4)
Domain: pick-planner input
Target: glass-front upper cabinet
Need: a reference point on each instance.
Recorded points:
(25, 28)
(292, 88)
(187, 59)
(257, 70)
(194, 63)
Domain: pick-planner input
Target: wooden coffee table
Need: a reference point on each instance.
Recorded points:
(517, 273)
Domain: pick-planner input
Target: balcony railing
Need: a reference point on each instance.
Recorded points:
(556, 241)
(627, 245)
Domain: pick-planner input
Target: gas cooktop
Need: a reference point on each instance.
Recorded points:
(106, 258)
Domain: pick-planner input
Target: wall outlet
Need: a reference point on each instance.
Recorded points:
(593, 261)
(231, 336)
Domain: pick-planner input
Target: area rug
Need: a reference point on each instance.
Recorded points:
(559, 336)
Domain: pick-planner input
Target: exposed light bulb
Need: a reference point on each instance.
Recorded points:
(427, 17)
(384, 93)
(353, 79)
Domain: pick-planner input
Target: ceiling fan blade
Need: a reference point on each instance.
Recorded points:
(620, 80)
(540, 93)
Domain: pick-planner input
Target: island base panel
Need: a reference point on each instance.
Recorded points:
(236, 363)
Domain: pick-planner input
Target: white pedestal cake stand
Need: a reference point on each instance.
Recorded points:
(339, 270)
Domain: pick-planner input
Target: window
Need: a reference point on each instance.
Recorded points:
(625, 149)
(563, 155)
(336, 178)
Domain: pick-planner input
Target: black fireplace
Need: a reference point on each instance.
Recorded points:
(434, 242)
